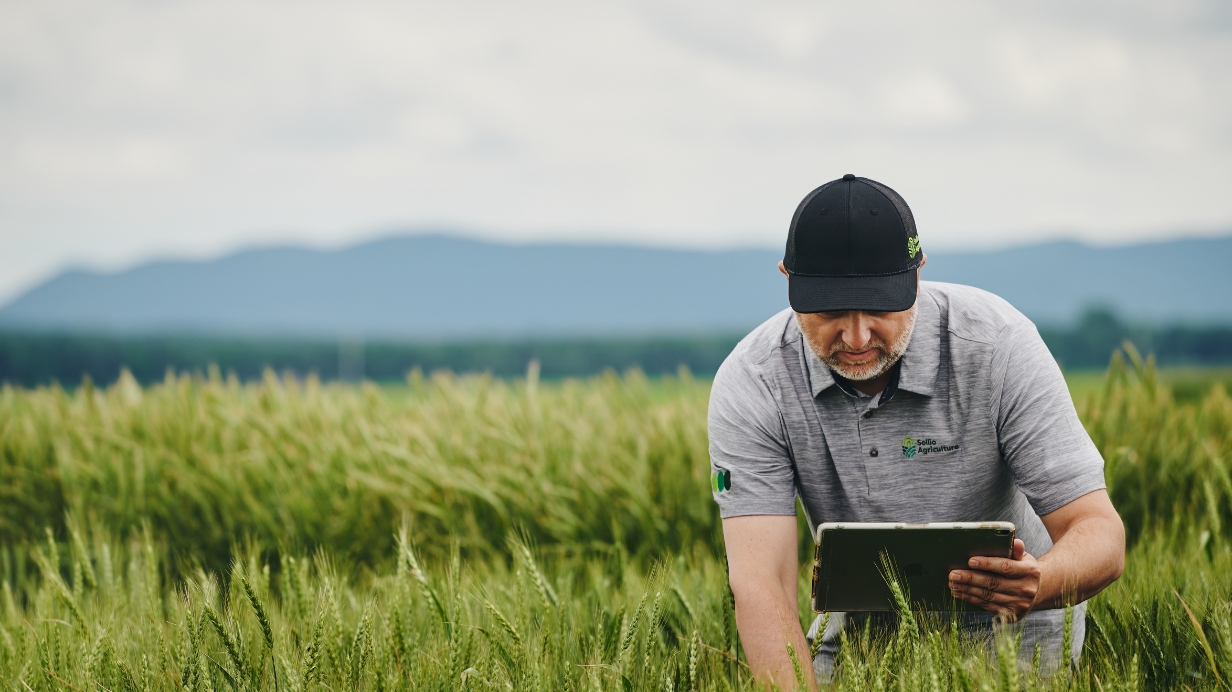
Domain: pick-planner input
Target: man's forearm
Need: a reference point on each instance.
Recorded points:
(767, 622)
(764, 575)
(1089, 557)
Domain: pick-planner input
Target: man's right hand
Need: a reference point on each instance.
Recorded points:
(761, 559)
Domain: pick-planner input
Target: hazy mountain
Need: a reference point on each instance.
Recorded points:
(438, 286)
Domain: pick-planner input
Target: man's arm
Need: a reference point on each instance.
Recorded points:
(764, 573)
(1057, 466)
(1088, 554)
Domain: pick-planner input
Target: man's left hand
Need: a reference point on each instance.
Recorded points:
(1005, 586)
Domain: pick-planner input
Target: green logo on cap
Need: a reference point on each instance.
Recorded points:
(913, 246)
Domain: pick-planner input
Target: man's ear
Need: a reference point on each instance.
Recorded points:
(923, 261)
(784, 269)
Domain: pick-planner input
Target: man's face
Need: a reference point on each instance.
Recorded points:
(858, 345)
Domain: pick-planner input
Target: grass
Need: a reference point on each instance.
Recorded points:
(1185, 384)
(213, 536)
(536, 623)
(607, 464)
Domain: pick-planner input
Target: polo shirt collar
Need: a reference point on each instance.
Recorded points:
(918, 366)
(923, 357)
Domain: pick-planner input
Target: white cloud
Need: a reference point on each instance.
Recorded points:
(136, 128)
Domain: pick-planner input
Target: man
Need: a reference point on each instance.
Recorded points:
(880, 398)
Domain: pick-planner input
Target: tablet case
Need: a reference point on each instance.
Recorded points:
(848, 573)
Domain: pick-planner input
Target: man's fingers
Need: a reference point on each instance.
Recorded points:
(1002, 565)
(982, 596)
(999, 603)
(985, 579)
(1017, 588)
(971, 578)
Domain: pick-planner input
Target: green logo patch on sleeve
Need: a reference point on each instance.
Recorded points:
(720, 481)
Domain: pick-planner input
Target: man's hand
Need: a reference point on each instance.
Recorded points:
(1004, 586)
(1088, 553)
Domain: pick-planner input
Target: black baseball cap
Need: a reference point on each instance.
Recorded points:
(852, 246)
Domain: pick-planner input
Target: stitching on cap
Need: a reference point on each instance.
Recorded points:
(847, 223)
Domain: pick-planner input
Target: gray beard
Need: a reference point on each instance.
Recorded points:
(885, 361)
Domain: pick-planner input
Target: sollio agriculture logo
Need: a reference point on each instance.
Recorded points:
(912, 447)
(720, 480)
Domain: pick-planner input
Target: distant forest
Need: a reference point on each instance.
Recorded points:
(37, 358)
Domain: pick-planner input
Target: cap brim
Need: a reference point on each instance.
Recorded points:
(891, 293)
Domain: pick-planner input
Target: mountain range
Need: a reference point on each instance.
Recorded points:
(432, 286)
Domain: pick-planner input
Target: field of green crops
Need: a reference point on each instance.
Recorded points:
(466, 533)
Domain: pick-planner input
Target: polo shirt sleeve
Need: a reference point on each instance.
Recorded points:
(751, 471)
(1051, 455)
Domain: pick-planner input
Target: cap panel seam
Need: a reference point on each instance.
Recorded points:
(847, 240)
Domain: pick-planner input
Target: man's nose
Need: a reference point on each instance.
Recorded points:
(858, 334)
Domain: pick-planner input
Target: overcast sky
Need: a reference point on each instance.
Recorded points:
(133, 130)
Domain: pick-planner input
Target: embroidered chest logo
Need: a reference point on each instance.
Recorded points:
(925, 446)
(908, 447)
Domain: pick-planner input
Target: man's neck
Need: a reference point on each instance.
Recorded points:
(874, 386)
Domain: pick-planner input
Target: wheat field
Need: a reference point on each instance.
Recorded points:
(461, 533)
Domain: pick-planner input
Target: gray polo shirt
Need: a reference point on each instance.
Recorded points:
(979, 426)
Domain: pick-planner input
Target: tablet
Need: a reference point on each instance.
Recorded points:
(847, 565)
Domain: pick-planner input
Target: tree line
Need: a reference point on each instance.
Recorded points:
(35, 358)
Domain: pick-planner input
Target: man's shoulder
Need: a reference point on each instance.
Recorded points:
(755, 360)
(973, 314)
(744, 386)
(761, 344)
